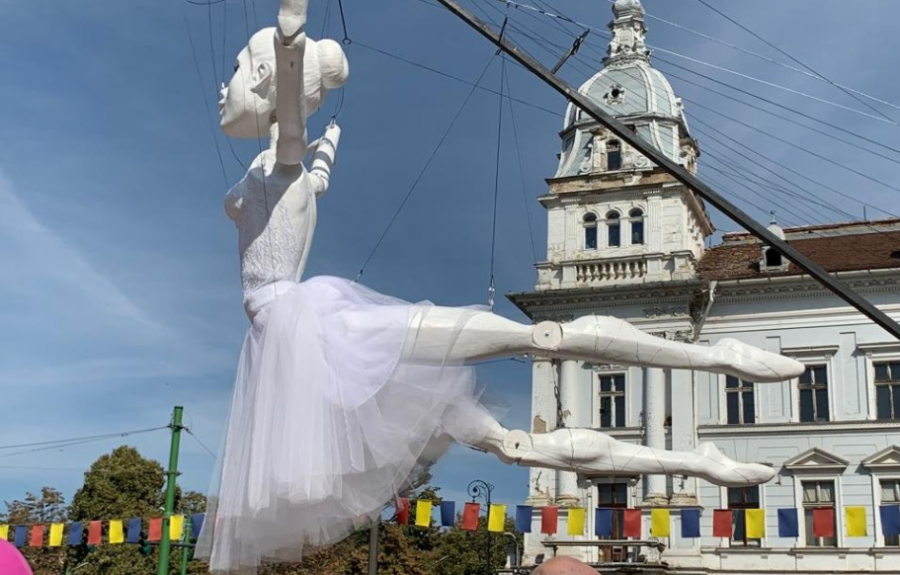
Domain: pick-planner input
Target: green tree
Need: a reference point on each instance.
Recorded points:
(121, 485)
(46, 508)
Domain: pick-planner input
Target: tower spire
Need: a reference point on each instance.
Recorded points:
(628, 33)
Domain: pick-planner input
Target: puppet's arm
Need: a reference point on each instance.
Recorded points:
(324, 158)
(290, 45)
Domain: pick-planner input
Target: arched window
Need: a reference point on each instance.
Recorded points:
(773, 258)
(613, 155)
(613, 229)
(590, 232)
(637, 226)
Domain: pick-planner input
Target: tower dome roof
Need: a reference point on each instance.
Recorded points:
(627, 7)
(630, 89)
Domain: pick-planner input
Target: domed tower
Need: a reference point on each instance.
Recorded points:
(614, 216)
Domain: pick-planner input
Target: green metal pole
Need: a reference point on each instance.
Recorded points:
(171, 476)
(185, 549)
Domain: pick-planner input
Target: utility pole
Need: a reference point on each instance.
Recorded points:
(185, 549)
(171, 475)
(837, 287)
(373, 547)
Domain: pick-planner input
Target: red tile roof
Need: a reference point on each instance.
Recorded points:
(855, 252)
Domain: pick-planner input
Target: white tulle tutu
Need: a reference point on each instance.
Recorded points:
(328, 423)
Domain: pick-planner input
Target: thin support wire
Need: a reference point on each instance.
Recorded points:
(424, 169)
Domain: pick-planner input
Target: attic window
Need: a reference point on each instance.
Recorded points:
(773, 258)
(616, 95)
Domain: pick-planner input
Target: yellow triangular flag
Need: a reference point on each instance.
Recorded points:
(660, 523)
(423, 513)
(575, 525)
(176, 527)
(56, 535)
(4, 532)
(116, 534)
(497, 518)
(856, 522)
(756, 523)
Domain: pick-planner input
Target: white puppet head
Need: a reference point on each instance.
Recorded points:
(247, 105)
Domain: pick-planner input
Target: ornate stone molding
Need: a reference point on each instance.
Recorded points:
(831, 427)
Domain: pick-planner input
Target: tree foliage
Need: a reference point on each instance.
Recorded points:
(48, 507)
(123, 484)
(409, 550)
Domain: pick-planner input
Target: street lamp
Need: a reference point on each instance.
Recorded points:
(479, 488)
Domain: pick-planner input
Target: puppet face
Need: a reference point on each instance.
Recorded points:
(247, 105)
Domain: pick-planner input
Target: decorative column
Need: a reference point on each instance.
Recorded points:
(655, 430)
(569, 393)
(544, 409)
(684, 492)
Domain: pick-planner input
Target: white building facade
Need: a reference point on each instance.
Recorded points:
(626, 240)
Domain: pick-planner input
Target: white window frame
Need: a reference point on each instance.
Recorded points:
(644, 218)
(605, 228)
(812, 356)
(877, 478)
(597, 374)
(799, 479)
(877, 353)
(723, 504)
(723, 402)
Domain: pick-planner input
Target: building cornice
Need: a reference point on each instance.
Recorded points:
(825, 428)
(659, 296)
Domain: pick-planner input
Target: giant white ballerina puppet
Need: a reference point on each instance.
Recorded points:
(344, 395)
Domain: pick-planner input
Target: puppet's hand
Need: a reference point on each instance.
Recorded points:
(291, 19)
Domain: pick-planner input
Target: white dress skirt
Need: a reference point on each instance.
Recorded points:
(328, 422)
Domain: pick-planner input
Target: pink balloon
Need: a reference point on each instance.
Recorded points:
(11, 561)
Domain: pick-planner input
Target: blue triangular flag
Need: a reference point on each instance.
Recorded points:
(890, 519)
(603, 522)
(75, 533)
(448, 513)
(134, 531)
(690, 523)
(523, 518)
(197, 524)
(788, 523)
(20, 535)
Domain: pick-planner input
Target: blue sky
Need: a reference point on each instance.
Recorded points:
(119, 282)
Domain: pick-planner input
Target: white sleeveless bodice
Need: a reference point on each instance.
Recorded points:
(275, 215)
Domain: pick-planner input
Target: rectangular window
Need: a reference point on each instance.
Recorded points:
(614, 234)
(614, 496)
(813, 388)
(739, 499)
(890, 495)
(590, 238)
(612, 400)
(887, 390)
(637, 232)
(740, 401)
(817, 495)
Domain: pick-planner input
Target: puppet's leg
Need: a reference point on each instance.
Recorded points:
(593, 452)
(458, 335)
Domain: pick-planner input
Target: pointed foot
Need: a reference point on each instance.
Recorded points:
(753, 364)
(715, 467)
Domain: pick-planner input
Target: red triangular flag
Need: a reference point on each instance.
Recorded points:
(155, 531)
(823, 522)
(722, 523)
(37, 536)
(470, 516)
(549, 520)
(95, 533)
(632, 523)
(402, 506)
